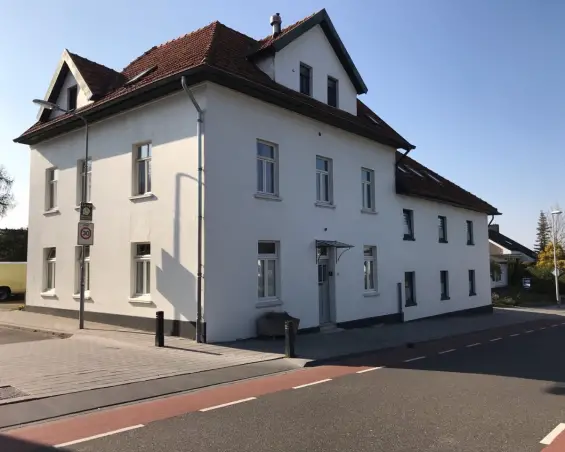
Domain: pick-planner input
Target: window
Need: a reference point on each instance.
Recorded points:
(444, 280)
(367, 185)
(267, 168)
(410, 289)
(323, 180)
(332, 92)
(143, 169)
(442, 229)
(85, 173)
(142, 262)
(50, 263)
(496, 274)
(408, 224)
(78, 254)
(470, 235)
(267, 272)
(472, 290)
(72, 94)
(305, 79)
(52, 178)
(370, 268)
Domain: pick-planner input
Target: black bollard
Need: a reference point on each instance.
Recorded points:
(289, 339)
(160, 329)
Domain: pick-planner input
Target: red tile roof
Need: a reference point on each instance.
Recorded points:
(225, 51)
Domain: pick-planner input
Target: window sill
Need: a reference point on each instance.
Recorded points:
(141, 299)
(48, 294)
(143, 197)
(444, 298)
(409, 238)
(53, 211)
(267, 197)
(411, 304)
(371, 294)
(76, 296)
(325, 205)
(268, 303)
(369, 211)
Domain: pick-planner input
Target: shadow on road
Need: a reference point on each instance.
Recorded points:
(9, 444)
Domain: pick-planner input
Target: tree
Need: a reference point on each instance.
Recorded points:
(545, 257)
(13, 245)
(543, 234)
(6, 195)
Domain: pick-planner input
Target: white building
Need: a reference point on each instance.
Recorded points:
(308, 207)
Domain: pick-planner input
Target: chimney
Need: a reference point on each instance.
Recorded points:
(494, 227)
(276, 22)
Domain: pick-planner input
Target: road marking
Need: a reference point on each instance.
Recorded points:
(473, 345)
(413, 359)
(215, 407)
(515, 334)
(554, 325)
(446, 351)
(370, 369)
(495, 339)
(553, 434)
(562, 323)
(543, 328)
(113, 432)
(529, 331)
(313, 383)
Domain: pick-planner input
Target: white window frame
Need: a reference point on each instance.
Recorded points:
(80, 180)
(78, 256)
(408, 224)
(414, 301)
(145, 260)
(442, 229)
(470, 232)
(368, 186)
(472, 282)
(50, 258)
(147, 163)
(52, 179)
(444, 294)
(263, 261)
(336, 81)
(327, 176)
(310, 78)
(266, 162)
(370, 262)
(70, 90)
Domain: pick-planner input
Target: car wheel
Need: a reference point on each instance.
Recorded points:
(4, 293)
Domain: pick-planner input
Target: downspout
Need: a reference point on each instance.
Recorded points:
(491, 220)
(402, 157)
(199, 121)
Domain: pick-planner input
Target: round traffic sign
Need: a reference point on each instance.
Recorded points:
(85, 232)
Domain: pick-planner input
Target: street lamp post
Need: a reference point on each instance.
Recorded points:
(554, 215)
(52, 106)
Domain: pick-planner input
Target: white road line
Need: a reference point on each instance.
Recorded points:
(413, 359)
(446, 351)
(473, 345)
(553, 434)
(543, 328)
(529, 331)
(554, 325)
(313, 383)
(562, 323)
(496, 339)
(515, 334)
(215, 407)
(113, 432)
(370, 369)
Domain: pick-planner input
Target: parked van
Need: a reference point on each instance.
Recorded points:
(12, 279)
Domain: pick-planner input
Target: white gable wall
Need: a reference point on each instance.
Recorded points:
(313, 49)
(63, 95)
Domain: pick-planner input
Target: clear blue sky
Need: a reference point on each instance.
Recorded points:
(477, 85)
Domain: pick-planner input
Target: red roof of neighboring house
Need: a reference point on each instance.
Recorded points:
(223, 55)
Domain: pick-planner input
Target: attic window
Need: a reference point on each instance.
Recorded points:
(139, 76)
(414, 171)
(375, 120)
(431, 176)
(305, 79)
(72, 94)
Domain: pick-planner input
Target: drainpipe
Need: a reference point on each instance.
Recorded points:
(199, 122)
(402, 157)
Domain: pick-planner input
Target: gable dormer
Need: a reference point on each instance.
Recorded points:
(309, 57)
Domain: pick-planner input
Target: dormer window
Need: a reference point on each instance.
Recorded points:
(332, 92)
(72, 94)
(305, 79)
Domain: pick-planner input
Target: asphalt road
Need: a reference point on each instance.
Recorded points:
(13, 335)
(500, 395)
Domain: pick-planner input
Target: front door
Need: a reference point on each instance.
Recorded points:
(324, 291)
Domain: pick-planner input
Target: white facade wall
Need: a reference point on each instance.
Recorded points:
(314, 50)
(62, 99)
(167, 220)
(236, 221)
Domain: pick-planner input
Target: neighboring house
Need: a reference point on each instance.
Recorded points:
(308, 207)
(504, 250)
